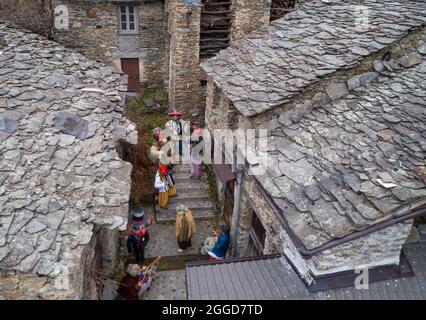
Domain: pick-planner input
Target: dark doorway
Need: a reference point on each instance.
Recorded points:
(279, 8)
(257, 236)
(131, 68)
(215, 27)
(229, 202)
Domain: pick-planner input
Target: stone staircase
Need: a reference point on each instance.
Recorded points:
(169, 282)
(191, 192)
(194, 194)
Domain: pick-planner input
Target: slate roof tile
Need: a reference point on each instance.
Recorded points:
(269, 67)
(55, 182)
(364, 169)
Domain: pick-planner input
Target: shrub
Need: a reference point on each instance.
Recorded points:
(34, 15)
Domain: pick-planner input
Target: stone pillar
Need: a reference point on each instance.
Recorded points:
(109, 240)
(246, 212)
(249, 15)
(185, 90)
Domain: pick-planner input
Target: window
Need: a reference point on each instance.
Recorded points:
(128, 19)
(257, 236)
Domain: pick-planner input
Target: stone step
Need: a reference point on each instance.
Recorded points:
(190, 184)
(182, 168)
(191, 193)
(169, 215)
(196, 203)
(186, 175)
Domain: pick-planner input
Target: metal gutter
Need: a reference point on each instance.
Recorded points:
(235, 221)
(307, 253)
(191, 264)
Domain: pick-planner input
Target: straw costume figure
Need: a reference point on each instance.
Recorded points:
(185, 227)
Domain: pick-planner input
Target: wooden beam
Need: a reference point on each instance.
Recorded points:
(223, 46)
(216, 12)
(214, 39)
(214, 31)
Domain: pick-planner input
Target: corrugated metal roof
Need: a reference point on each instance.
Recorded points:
(274, 278)
(270, 279)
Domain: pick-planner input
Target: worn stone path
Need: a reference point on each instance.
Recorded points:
(163, 242)
(171, 283)
(168, 285)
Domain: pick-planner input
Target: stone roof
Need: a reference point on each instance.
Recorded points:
(60, 122)
(354, 161)
(271, 66)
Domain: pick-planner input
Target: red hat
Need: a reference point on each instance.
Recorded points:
(163, 170)
(175, 113)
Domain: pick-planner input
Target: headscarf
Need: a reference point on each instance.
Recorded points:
(163, 170)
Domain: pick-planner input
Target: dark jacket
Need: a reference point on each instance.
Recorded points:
(128, 289)
(221, 245)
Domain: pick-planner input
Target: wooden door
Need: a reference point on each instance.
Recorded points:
(131, 68)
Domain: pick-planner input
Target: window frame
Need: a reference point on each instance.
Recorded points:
(127, 14)
(256, 240)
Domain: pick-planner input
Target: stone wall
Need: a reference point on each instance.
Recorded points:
(249, 15)
(185, 89)
(252, 199)
(93, 28)
(376, 249)
(94, 31)
(277, 239)
(167, 44)
(78, 282)
(65, 283)
(152, 40)
(15, 285)
(220, 113)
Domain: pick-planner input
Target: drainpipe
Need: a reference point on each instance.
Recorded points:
(235, 221)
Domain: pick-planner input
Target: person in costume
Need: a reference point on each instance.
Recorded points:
(128, 288)
(155, 150)
(162, 149)
(197, 145)
(197, 135)
(185, 227)
(162, 184)
(219, 250)
(145, 279)
(171, 182)
(138, 237)
(208, 244)
(176, 126)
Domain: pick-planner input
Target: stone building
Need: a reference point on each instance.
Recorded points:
(344, 107)
(160, 43)
(64, 190)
